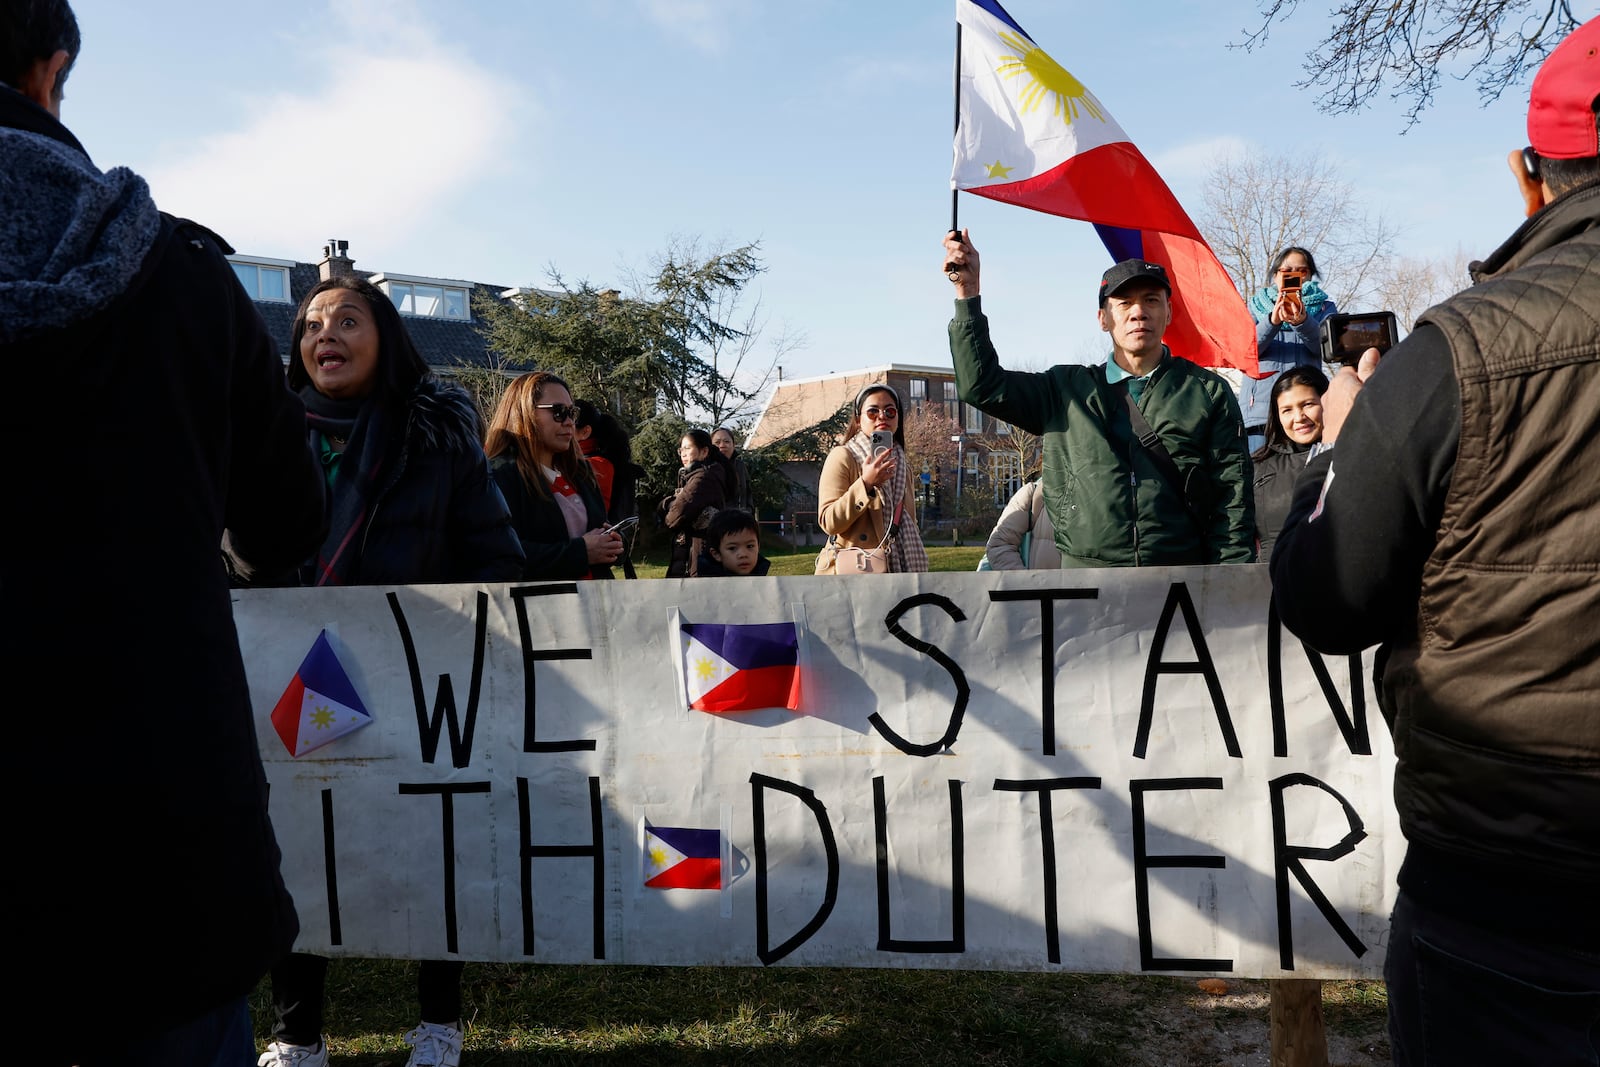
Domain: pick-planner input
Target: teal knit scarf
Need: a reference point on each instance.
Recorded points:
(1265, 299)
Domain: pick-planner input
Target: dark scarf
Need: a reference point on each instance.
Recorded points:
(365, 429)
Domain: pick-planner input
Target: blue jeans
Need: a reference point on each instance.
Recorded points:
(1460, 994)
(220, 1038)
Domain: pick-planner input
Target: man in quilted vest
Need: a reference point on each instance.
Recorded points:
(1456, 523)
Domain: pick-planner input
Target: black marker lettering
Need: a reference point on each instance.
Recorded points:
(963, 690)
(595, 850)
(1178, 599)
(447, 793)
(957, 941)
(1047, 844)
(519, 597)
(758, 784)
(1047, 647)
(1287, 858)
(1142, 864)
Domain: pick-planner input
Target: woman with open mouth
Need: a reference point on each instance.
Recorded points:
(411, 502)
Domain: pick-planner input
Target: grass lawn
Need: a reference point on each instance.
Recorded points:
(804, 560)
(519, 1015)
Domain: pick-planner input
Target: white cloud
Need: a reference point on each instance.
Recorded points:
(396, 129)
(702, 24)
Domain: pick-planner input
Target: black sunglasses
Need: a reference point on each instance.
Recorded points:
(559, 412)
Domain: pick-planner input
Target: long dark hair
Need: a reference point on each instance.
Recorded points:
(861, 401)
(400, 365)
(1287, 380)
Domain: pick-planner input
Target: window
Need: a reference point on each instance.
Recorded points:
(430, 301)
(974, 420)
(1005, 468)
(426, 297)
(263, 281)
(952, 405)
(919, 393)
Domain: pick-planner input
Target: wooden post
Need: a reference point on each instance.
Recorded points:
(1299, 1038)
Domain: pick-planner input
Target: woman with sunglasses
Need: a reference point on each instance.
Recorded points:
(411, 502)
(702, 491)
(1288, 314)
(863, 497)
(554, 498)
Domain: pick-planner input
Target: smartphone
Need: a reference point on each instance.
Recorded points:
(882, 441)
(1345, 337)
(1291, 283)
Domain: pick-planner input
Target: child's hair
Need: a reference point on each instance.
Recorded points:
(730, 521)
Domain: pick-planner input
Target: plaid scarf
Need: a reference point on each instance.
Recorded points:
(906, 554)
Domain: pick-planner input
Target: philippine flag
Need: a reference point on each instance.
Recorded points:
(679, 858)
(1031, 134)
(741, 667)
(320, 704)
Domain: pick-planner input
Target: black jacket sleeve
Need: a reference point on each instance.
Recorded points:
(277, 502)
(551, 552)
(1347, 567)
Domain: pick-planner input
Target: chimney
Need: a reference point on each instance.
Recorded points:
(336, 261)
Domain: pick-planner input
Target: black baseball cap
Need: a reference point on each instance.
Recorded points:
(1130, 270)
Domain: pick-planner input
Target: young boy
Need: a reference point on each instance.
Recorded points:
(733, 546)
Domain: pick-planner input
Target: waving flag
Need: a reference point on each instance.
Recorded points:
(1031, 134)
(741, 667)
(679, 858)
(320, 704)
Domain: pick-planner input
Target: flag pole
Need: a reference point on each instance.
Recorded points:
(955, 194)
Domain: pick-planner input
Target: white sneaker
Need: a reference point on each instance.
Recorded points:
(282, 1054)
(435, 1045)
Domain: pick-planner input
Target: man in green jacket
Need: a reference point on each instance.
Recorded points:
(1173, 491)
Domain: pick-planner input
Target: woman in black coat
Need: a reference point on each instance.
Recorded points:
(702, 485)
(412, 503)
(551, 489)
(1294, 424)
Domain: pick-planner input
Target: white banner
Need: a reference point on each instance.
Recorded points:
(1178, 786)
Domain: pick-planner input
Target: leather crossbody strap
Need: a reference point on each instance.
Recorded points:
(1151, 441)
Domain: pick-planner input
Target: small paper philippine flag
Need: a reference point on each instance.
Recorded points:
(741, 666)
(679, 858)
(320, 704)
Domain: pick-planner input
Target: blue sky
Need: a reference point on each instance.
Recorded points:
(488, 140)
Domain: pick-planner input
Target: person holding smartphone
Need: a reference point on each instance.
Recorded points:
(1288, 313)
(549, 486)
(865, 498)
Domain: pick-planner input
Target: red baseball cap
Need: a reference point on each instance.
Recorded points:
(1561, 122)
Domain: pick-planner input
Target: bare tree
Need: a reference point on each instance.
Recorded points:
(1255, 204)
(1410, 43)
(1412, 285)
(930, 438)
(1015, 441)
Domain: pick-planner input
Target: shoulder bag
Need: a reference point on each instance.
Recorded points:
(852, 561)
